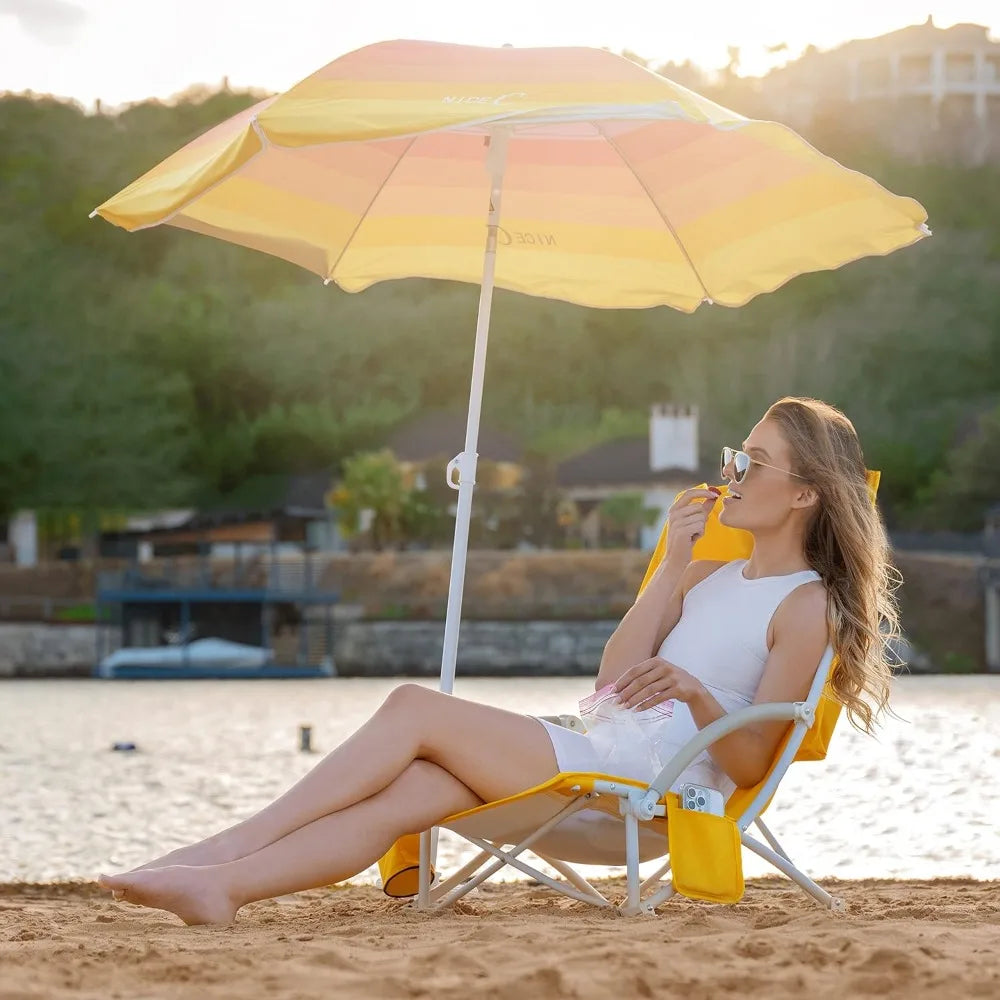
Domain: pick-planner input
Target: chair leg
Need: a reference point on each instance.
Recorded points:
(424, 877)
(660, 896)
(465, 872)
(787, 868)
(510, 858)
(572, 876)
(656, 876)
(771, 839)
(632, 906)
(458, 891)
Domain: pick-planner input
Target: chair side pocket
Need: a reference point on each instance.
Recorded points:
(706, 857)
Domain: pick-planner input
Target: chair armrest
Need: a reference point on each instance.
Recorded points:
(791, 711)
(573, 722)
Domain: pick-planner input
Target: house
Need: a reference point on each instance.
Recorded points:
(273, 512)
(924, 90)
(245, 570)
(657, 467)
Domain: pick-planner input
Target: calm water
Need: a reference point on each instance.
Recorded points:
(920, 801)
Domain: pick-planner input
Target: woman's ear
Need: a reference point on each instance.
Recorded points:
(805, 497)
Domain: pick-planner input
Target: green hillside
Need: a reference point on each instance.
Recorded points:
(164, 367)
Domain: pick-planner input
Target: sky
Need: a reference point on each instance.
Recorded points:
(120, 51)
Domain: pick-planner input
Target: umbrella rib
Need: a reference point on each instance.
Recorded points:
(368, 208)
(649, 194)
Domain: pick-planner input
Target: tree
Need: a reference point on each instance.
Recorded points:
(373, 498)
(627, 514)
(165, 367)
(959, 494)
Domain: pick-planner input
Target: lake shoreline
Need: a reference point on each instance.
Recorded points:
(496, 648)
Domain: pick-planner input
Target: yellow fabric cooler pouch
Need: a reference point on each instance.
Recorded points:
(706, 857)
(400, 867)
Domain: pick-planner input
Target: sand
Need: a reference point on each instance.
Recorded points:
(909, 939)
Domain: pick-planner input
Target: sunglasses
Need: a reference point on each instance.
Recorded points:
(741, 463)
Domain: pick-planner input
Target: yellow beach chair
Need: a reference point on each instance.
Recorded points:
(629, 822)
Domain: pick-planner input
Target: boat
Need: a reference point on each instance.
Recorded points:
(208, 658)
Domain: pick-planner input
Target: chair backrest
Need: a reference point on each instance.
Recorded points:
(721, 542)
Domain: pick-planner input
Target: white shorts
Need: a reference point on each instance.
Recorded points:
(575, 752)
(591, 836)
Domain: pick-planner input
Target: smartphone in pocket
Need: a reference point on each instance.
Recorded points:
(700, 798)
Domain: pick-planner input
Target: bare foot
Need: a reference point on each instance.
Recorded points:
(196, 895)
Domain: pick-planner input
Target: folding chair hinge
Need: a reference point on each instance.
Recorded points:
(639, 803)
(804, 712)
(649, 805)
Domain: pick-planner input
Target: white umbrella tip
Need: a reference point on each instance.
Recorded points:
(92, 214)
(925, 229)
(326, 281)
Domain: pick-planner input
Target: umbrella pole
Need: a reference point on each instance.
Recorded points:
(465, 463)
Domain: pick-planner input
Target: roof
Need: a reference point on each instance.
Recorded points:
(912, 39)
(439, 433)
(921, 36)
(157, 520)
(622, 461)
(268, 495)
(258, 498)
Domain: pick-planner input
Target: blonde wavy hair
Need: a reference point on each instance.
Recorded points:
(846, 544)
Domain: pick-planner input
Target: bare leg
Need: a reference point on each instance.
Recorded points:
(324, 851)
(491, 751)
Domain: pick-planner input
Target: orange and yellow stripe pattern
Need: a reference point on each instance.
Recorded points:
(621, 188)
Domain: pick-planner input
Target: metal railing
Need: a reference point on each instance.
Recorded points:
(272, 572)
(55, 610)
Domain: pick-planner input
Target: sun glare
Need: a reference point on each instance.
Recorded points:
(90, 49)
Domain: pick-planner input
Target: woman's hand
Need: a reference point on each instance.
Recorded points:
(686, 519)
(654, 681)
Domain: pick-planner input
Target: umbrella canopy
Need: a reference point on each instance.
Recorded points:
(620, 188)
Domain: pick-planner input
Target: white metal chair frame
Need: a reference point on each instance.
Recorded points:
(639, 805)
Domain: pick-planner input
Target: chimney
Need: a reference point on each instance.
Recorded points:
(673, 437)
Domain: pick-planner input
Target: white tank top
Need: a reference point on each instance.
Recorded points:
(721, 639)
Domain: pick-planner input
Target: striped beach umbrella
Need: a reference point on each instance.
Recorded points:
(570, 173)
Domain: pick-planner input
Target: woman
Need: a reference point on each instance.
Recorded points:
(710, 636)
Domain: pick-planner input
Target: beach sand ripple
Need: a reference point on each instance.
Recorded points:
(914, 939)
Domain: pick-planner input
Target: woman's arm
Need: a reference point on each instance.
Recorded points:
(650, 620)
(801, 635)
(658, 608)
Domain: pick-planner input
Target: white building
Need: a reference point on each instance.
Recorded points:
(925, 90)
(657, 467)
